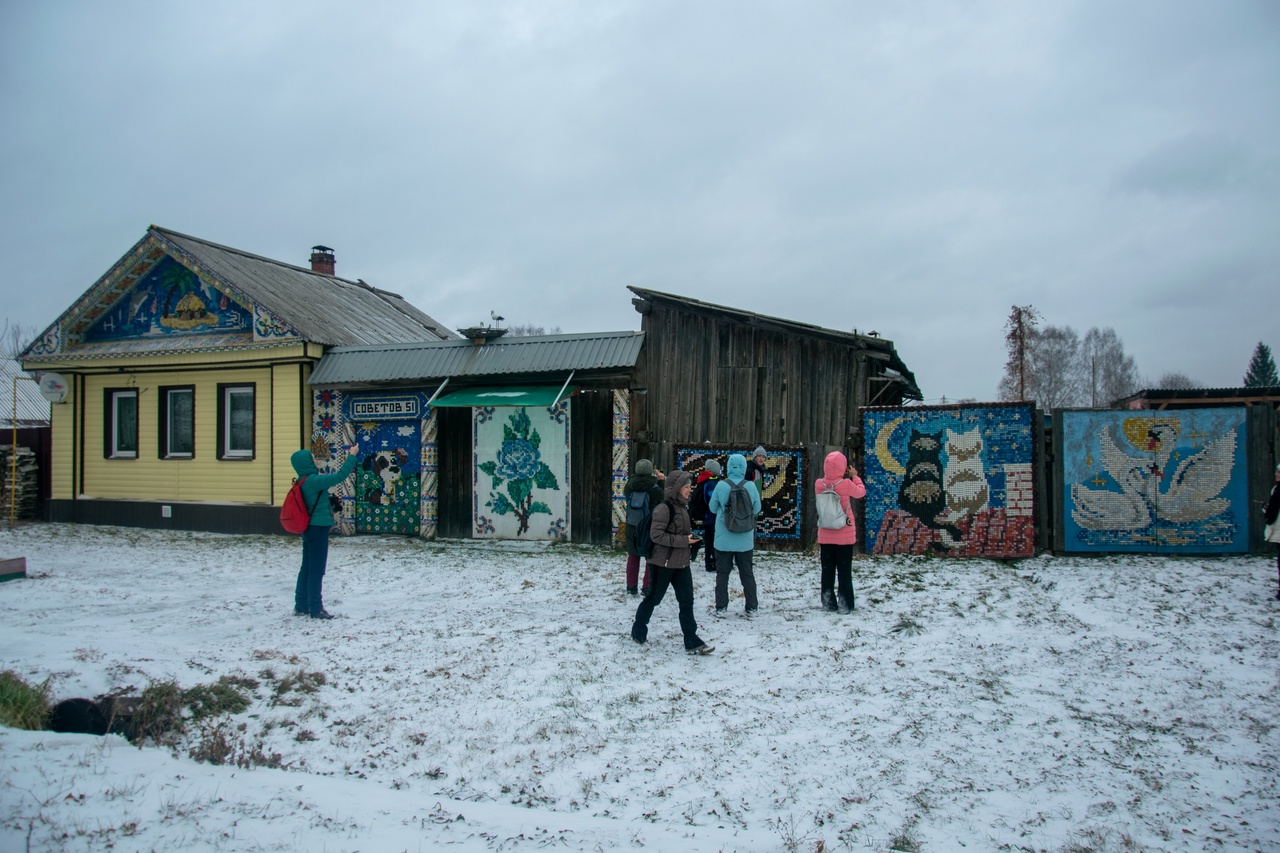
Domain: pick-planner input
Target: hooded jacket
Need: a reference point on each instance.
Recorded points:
(640, 483)
(735, 472)
(305, 464)
(671, 528)
(833, 470)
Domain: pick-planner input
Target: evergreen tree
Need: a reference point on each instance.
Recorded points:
(1262, 369)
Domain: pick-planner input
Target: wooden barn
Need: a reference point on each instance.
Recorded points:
(714, 380)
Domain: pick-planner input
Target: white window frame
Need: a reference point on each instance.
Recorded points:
(227, 393)
(171, 423)
(114, 449)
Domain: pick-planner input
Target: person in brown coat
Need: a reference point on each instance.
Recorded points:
(672, 542)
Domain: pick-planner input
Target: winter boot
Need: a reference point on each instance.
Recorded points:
(829, 600)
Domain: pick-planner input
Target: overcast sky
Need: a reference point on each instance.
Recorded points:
(913, 168)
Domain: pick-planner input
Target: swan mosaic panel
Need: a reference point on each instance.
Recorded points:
(1164, 482)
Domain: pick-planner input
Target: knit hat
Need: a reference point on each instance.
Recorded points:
(713, 467)
(644, 466)
(760, 451)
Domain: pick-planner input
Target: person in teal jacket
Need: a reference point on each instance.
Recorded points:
(307, 600)
(734, 548)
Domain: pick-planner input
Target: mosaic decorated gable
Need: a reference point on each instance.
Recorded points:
(1168, 482)
(150, 300)
(780, 517)
(521, 472)
(954, 481)
(167, 300)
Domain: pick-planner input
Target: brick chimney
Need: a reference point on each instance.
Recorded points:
(322, 260)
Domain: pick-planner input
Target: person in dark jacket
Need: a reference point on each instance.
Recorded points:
(1271, 515)
(672, 541)
(706, 484)
(307, 593)
(645, 479)
(755, 467)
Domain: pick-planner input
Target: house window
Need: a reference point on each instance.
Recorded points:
(120, 431)
(177, 422)
(235, 421)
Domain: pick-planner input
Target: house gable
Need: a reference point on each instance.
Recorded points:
(158, 298)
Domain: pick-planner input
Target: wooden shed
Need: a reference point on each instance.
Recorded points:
(713, 380)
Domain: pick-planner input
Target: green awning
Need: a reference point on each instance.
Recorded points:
(520, 395)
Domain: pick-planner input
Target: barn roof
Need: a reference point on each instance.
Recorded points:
(892, 364)
(1161, 398)
(296, 303)
(501, 358)
(33, 409)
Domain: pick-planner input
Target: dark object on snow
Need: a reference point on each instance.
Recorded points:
(78, 716)
(121, 713)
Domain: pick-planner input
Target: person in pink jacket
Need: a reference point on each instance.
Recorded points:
(836, 546)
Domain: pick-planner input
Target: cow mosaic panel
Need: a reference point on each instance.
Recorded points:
(521, 472)
(780, 493)
(950, 480)
(385, 494)
(1166, 482)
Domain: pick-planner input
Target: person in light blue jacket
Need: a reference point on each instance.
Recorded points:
(734, 547)
(307, 597)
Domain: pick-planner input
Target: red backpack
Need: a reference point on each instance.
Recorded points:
(294, 515)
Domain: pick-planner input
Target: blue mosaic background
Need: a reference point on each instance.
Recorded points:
(1007, 443)
(1161, 482)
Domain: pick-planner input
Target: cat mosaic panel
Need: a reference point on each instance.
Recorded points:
(950, 480)
(779, 495)
(521, 472)
(385, 493)
(1154, 481)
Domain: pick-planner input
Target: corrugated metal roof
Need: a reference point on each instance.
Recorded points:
(322, 308)
(33, 409)
(459, 359)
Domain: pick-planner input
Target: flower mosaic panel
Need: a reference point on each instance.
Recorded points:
(621, 463)
(521, 472)
(779, 494)
(1167, 482)
(953, 480)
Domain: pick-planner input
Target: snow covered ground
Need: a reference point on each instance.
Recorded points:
(487, 696)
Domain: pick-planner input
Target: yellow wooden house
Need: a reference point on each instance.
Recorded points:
(180, 381)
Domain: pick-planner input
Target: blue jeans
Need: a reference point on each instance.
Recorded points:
(315, 555)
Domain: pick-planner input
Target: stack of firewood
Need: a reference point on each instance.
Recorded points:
(22, 492)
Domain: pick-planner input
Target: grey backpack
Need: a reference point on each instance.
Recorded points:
(830, 514)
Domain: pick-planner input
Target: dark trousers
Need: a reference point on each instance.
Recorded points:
(837, 561)
(315, 555)
(725, 561)
(633, 571)
(709, 544)
(681, 580)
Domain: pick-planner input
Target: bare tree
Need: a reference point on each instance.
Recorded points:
(14, 338)
(1054, 357)
(1177, 382)
(1019, 330)
(529, 330)
(1106, 373)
